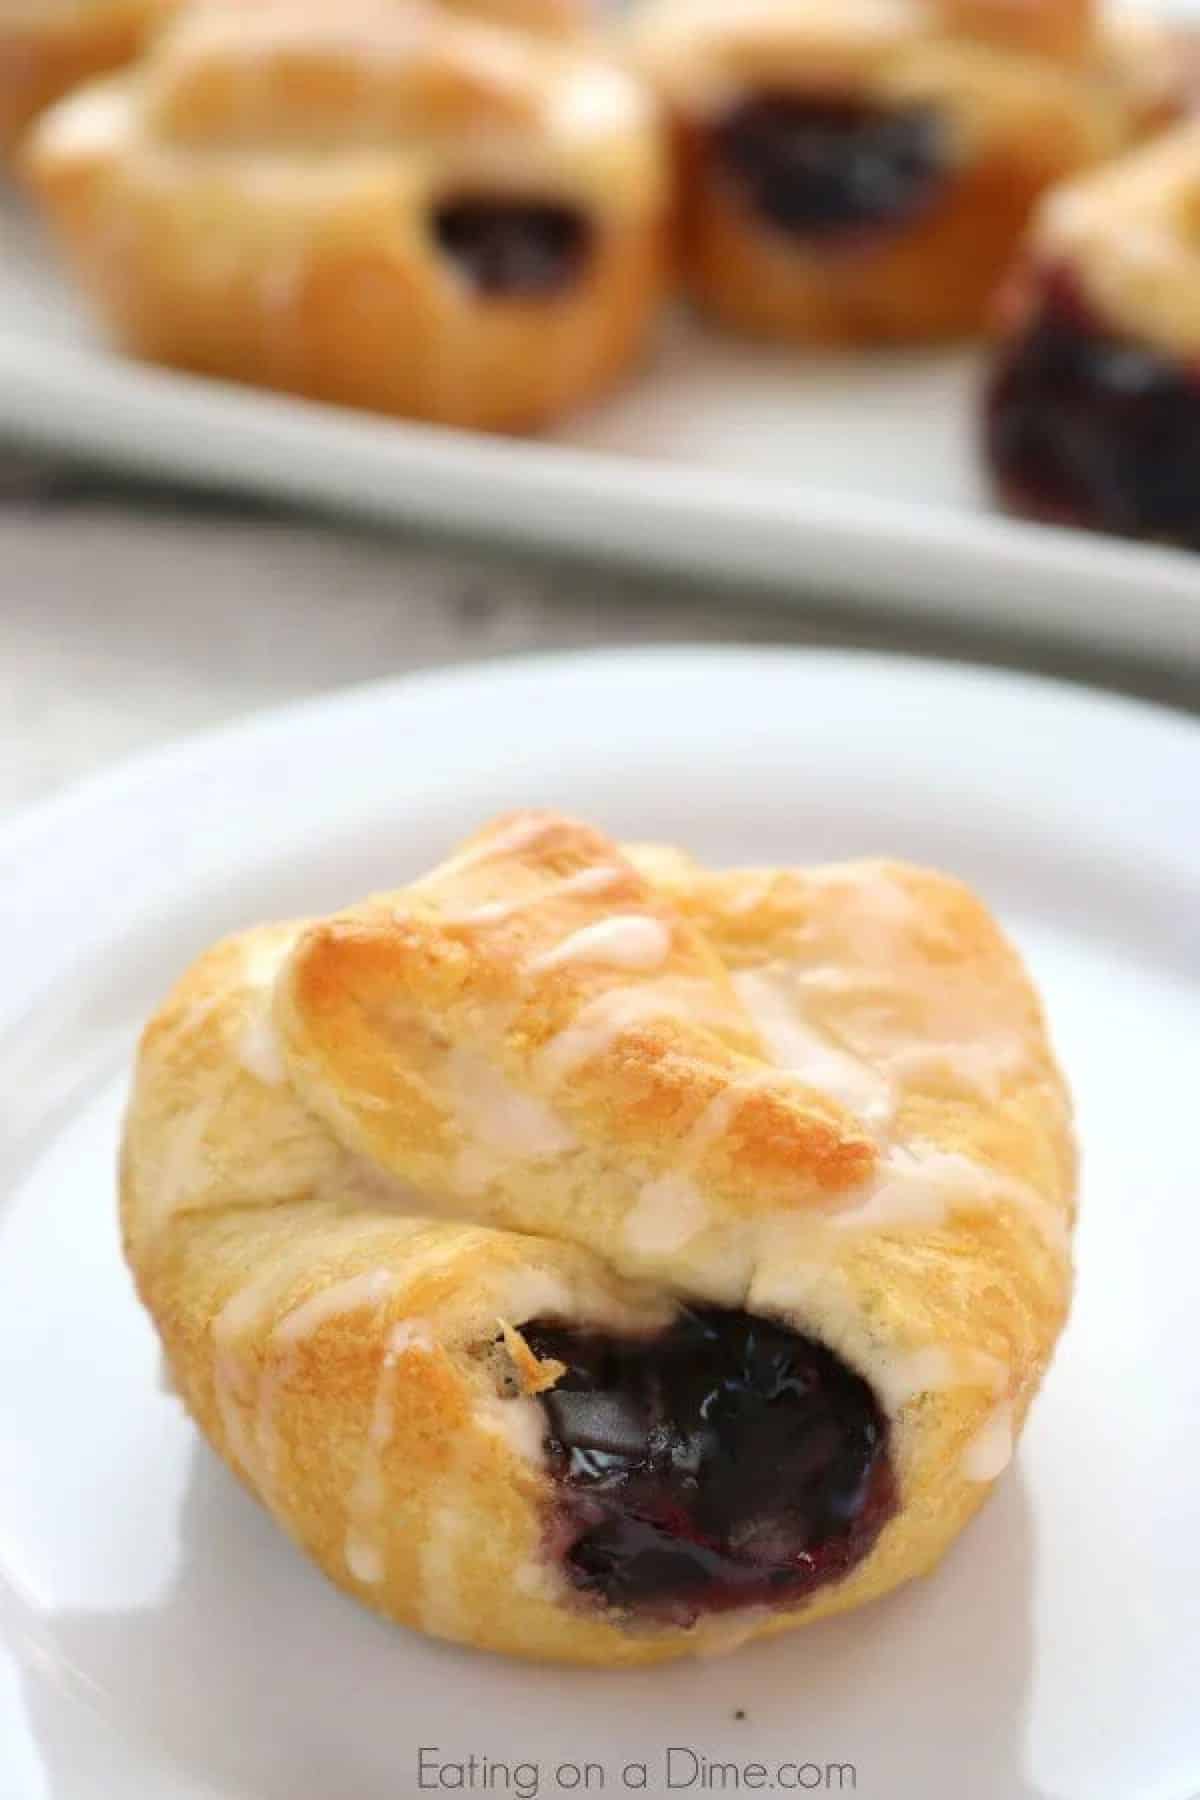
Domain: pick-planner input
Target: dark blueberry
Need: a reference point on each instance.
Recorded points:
(822, 168)
(726, 1462)
(1088, 427)
(513, 249)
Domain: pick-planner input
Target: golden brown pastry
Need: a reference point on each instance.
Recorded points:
(587, 1256)
(557, 17)
(861, 170)
(381, 205)
(48, 46)
(1093, 407)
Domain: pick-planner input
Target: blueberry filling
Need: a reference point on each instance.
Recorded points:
(1088, 427)
(726, 1462)
(513, 249)
(829, 168)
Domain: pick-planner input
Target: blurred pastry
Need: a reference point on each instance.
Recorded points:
(586, 1255)
(861, 170)
(382, 205)
(48, 46)
(555, 17)
(1093, 406)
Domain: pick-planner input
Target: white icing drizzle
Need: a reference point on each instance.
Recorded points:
(520, 835)
(331, 1303)
(449, 1526)
(364, 1508)
(518, 1420)
(492, 912)
(977, 1064)
(624, 941)
(990, 1450)
(899, 1378)
(248, 1407)
(258, 1048)
(184, 1171)
(262, 961)
(500, 1117)
(343, 1297)
(811, 1054)
(666, 1215)
(923, 1186)
(602, 1019)
(671, 1210)
(363, 1559)
(868, 950)
(233, 1392)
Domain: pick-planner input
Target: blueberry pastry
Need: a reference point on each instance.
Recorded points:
(398, 207)
(859, 171)
(1093, 404)
(674, 1254)
(47, 46)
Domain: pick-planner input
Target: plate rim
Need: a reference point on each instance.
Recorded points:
(224, 738)
(118, 805)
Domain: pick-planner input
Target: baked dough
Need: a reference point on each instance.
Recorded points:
(384, 205)
(862, 170)
(1128, 234)
(1092, 409)
(371, 1159)
(48, 46)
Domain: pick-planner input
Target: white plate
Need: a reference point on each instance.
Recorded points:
(163, 1639)
(850, 478)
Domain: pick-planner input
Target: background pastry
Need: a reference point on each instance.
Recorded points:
(502, 1231)
(1093, 405)
(47, 46)
(558, 17)
(387, 206)
(861, 170)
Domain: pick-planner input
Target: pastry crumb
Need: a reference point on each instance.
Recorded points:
(534, 1374)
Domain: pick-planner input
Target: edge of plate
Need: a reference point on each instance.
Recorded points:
(926, 561)
(230, 738)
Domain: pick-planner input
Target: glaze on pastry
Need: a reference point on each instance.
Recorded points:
(861, 170)
(383, 205)
(1093, 406)
(588, 1256)
(48, 46)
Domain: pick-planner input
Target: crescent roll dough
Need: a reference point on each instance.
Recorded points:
(586, 1255)
(420, 210)
(47, 47)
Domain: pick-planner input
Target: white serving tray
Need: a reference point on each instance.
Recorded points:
(837, 476)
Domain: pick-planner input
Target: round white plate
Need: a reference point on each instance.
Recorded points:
(163, 1639)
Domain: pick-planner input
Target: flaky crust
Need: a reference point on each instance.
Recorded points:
(558, 1079)
(48, 46)
(256, 201)
(1029, 95)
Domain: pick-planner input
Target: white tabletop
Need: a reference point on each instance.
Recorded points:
(128, 617)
